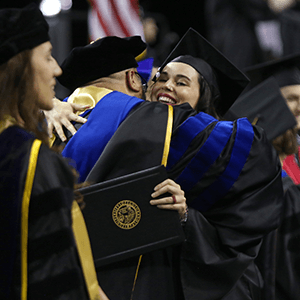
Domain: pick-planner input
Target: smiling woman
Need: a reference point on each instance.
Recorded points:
(197, 73)
(181, 83)
(177, 84)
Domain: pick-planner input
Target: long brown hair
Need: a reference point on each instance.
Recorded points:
(17, 92)
(286, 143)
(18, 96)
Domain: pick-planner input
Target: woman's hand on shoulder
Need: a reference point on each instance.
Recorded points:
(61, 115)
(176, 201)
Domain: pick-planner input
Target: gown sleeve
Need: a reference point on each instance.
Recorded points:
(224, 235)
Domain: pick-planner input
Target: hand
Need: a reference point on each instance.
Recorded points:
(168, 202)
(61, 115)
(102, 294)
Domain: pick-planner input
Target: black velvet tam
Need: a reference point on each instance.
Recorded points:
(225, 80)
(286, 71)
(99, 59)
(265, 106)
(21, 29)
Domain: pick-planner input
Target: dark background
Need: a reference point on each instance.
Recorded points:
(69, 28)
(179, 16)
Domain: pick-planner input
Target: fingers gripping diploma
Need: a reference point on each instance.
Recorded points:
(169, 186)
(61, 115)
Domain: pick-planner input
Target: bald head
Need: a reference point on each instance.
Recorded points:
(126, 81)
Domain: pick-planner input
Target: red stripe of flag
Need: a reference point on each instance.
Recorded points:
(115, 11)
(135, 6)
(102, 23)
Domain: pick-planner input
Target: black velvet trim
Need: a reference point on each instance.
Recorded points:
(49, 202)
(58, 285)
(51, 244)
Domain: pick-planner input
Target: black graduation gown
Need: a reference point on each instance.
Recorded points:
(287, 278)
(223, 237)
(278, 259)
(54, 271)
(231, 176)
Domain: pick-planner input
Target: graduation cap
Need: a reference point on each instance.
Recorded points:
(286, 71)
(99, 59)
(265, 106)
(225, 80)
(21, 29)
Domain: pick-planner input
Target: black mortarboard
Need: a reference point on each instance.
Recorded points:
(285, 70)
(225, 80)
(101, 58)
(21, 29)
(265, 106)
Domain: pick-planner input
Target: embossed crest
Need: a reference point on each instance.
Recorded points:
(126, 214)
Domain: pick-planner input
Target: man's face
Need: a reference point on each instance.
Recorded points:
(291, 93)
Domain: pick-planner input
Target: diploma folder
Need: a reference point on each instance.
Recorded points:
(120, 220)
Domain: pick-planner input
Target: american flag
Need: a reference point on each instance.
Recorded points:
(114, 18)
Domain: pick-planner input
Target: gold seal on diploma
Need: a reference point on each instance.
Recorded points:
(126, 214)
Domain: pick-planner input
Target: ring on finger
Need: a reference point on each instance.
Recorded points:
(174, 199)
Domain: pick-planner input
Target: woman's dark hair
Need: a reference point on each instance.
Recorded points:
(18, 95)
(205, 102)
(286, 143)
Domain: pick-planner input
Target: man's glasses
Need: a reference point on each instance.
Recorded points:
(143, 80)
